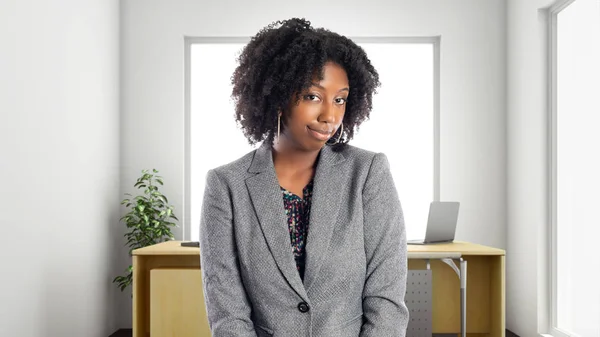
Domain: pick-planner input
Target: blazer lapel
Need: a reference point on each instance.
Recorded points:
(326, 200)
(268, 203)
(267, 199)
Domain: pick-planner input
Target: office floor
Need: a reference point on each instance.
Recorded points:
(128, 333)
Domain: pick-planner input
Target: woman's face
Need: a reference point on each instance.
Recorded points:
(320, 111)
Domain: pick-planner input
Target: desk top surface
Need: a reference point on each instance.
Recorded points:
(463, 248)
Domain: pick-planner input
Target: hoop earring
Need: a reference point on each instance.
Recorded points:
(278, 126)
(340, 136)
(341, 132)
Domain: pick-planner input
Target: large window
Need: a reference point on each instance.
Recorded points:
(403, 122)
(575, 41)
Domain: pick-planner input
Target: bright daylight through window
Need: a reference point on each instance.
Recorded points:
(576, 165)
(401, 124)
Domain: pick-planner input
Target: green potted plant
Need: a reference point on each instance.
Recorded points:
(149, 220)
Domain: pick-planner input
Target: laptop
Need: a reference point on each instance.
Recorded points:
(441, 223)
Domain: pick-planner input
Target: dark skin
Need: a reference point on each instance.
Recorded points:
(321, 108)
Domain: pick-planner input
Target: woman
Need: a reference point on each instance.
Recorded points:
(303, 236)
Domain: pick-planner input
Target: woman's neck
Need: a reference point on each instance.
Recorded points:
(293, 160)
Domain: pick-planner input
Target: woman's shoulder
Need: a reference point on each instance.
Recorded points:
(356, 151)
(235, 167)
(358, 155)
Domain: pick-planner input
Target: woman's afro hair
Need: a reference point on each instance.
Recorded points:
(281, 61)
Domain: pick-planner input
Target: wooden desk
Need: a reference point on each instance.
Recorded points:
(485, 288)
(168, 298)
(167, 292)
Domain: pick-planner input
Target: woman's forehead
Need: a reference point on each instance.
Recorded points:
(332, 74)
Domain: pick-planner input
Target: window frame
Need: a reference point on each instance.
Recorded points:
(435, 41)
(553, 12)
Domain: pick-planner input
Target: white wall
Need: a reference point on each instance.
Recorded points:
(527, 168)
(59, 167)
(472, 97)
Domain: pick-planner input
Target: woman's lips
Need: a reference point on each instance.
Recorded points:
(320, 135)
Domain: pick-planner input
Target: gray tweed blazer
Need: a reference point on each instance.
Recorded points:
(356, 253)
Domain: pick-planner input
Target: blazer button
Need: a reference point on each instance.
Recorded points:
(303, 307)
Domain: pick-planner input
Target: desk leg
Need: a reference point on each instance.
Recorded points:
(497, 295)
(463, 297)
(140, 297)
(462, 276)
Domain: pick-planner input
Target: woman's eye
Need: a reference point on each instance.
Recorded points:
(314, 98)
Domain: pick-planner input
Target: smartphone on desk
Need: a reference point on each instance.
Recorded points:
(190, 244)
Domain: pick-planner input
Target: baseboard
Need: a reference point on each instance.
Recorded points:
(122, 333)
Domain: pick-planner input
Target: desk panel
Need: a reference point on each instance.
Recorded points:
(485, 295)
(142, 264)
(177, 303)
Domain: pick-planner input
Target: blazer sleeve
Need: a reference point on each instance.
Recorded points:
(384, 309)
(227, 305)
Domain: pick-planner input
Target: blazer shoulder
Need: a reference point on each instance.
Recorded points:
(235, 168)
(359, 156)
(365, 163)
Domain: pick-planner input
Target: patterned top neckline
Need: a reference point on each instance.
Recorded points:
(306, 191)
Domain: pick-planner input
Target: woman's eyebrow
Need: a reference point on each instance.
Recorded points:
(321, 87)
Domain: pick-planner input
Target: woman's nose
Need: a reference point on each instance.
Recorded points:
(327, 114)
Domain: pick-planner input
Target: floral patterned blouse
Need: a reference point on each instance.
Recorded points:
(297, 210)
